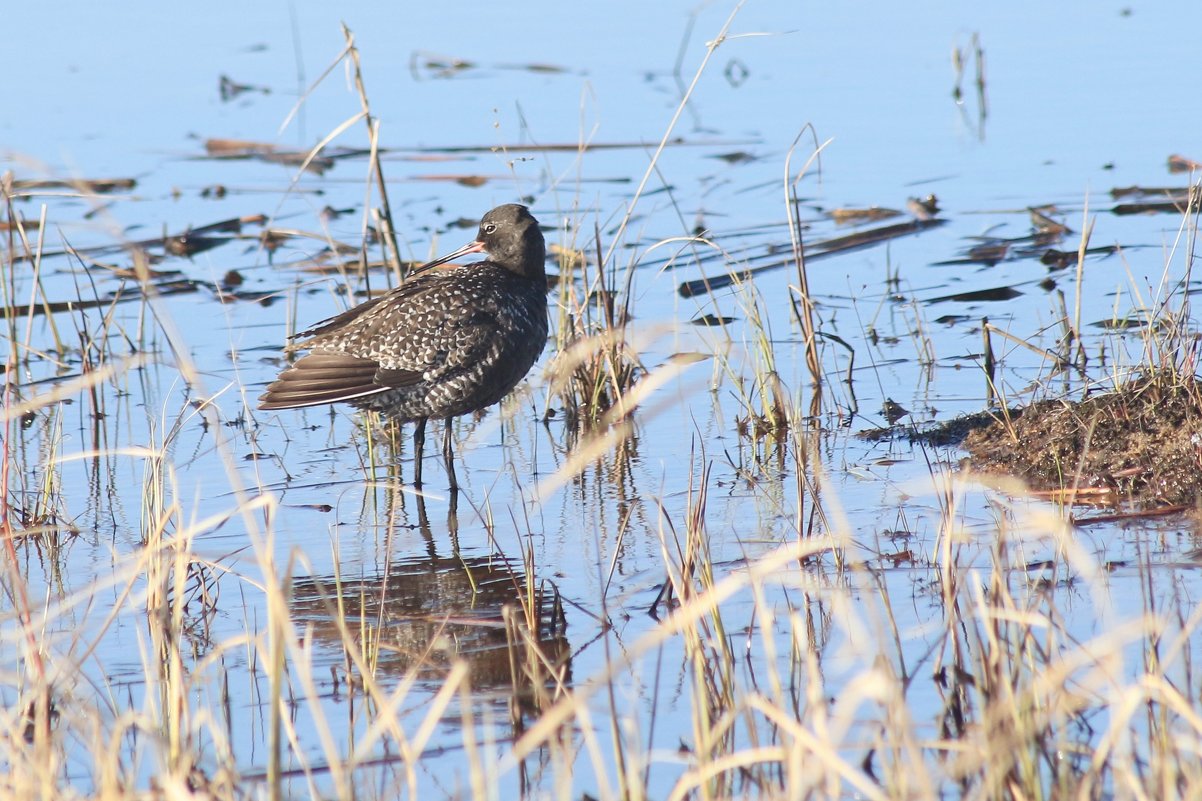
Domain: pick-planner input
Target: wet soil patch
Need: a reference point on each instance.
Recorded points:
(1141, 442)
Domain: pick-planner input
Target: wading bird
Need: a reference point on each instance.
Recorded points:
(450, 340)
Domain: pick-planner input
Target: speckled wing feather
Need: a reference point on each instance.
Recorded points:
(421, 331)
(338, 320)
(421, 327)
(319, 378)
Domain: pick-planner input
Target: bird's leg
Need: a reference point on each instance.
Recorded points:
(419, 442)
(449, 455)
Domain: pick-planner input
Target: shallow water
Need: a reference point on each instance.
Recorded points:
(1077, 100)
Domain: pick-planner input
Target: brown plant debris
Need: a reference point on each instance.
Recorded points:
(847, 216)
(814, 251)
(98, 185)
(1141, 442)
(1179, 163)
(241, 149)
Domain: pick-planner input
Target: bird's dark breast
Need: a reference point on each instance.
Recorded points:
(454, 346)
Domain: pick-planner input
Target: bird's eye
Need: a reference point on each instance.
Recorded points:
(489, 228)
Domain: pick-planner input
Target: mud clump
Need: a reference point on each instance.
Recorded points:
(1141, 442)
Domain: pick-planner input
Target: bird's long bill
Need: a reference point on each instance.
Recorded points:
(470, 247)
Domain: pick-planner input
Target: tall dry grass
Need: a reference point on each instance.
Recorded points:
(822, 665)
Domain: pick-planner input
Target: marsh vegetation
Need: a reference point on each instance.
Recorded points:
(719, 544)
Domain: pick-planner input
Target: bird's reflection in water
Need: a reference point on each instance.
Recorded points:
(426, 612)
